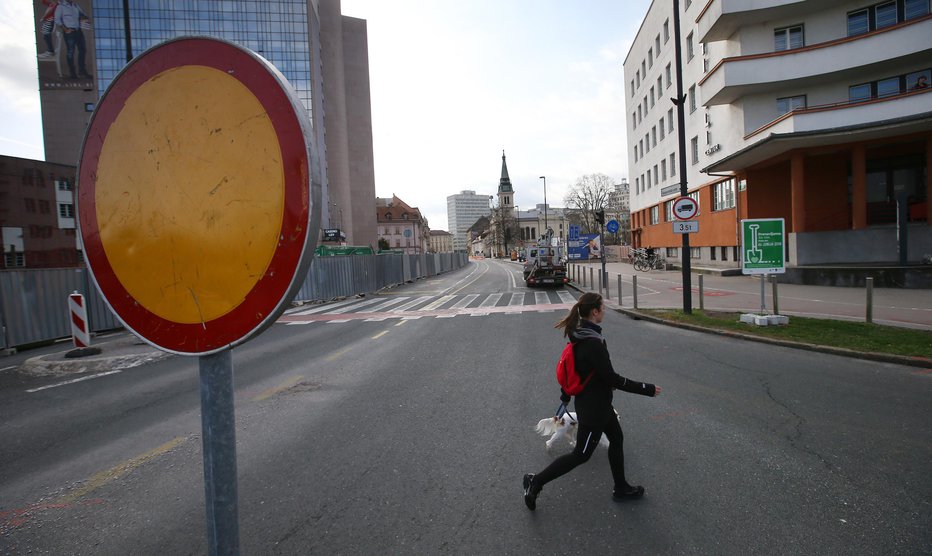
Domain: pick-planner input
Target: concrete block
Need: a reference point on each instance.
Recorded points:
(748, 318)
(761, 320)
(775, 320)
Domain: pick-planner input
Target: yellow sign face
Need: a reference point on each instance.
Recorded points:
(181, 221)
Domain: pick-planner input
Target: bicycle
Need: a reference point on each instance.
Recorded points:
(644, 262)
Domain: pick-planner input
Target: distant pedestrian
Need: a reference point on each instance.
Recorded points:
(594, 409)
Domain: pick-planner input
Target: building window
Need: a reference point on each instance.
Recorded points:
(656, 175)
(788, 38)
(635, 153)
(632, 87)
(13, 260)
(672, 164)
(44, 207)
(712, 253)
(692, 99)
(654, 214)
(885, 14)
(724, 253)
(663, 169)
(734, 253)
(637, 186)
(695, 253)
(647, 142)
(644, 69)
(694, 143)
(859, 92)
(668, 73)
(64, 185)
(918, 80)
(66, 210)
(30, 205)
(650, 57)
(672, 253)
(670, 120)
(690, 51)
(723, 195)
(653, 136)
(651, 97)
(649, 182)
(657, 44)
(888, 87)
(668, 211)
(666, 31)
(663, 131)
(788, 104)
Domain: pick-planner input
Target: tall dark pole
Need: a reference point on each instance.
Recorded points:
(546, 225)
(680, 102)
(128, 37)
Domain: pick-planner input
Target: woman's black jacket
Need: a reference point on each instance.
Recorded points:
(594, 403)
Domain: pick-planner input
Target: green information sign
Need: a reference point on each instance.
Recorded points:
(762, 246)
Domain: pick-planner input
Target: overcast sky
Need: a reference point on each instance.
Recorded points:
(452, 84)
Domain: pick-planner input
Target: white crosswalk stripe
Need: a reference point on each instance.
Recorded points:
(377, 309)
(491, 300)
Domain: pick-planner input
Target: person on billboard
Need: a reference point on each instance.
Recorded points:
(595, 251)
(46, 26)
(70, 17)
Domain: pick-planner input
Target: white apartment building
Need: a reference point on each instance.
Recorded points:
(463, 209)
(813, 111)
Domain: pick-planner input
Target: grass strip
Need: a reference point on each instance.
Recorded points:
(856, 336)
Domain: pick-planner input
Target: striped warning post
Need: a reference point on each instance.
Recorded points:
(79, 332)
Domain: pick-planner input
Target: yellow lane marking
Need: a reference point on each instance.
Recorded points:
(337, 355)
(380, 334)
(401, 322)
(276, 389)
(104, 477)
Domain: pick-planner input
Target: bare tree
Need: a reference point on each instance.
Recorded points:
(589, 194)
(505, 228)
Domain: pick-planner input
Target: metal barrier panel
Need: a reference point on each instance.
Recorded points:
(34, 303)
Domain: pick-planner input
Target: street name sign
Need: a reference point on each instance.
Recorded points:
(762, 246)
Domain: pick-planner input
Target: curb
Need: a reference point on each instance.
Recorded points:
(870, 355)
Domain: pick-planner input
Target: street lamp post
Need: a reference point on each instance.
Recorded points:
(546, 224)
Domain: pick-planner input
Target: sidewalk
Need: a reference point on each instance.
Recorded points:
(658, 289)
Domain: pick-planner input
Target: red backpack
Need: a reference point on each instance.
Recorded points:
(567, 376)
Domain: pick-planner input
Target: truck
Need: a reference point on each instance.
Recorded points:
(545, 264)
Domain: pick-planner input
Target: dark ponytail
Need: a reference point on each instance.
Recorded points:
(586, 303)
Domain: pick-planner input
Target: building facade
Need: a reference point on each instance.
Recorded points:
(322, 54)
(402, 226)
(37, 214)
(533, 223)
(441, 241)
(463, 210)
(814, 112)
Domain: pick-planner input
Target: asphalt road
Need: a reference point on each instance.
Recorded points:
(391, 435)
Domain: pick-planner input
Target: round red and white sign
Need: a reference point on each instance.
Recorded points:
(685, 208)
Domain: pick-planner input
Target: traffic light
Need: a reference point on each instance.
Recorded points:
(600, 216)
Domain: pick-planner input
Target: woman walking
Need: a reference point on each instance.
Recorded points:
(594, 411)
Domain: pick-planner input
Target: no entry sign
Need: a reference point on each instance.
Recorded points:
(195, 200)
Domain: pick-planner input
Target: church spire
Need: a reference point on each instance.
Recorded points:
(504, 184)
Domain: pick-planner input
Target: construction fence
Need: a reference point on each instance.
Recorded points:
(34, 303)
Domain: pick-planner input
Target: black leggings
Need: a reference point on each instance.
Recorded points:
(587, 438)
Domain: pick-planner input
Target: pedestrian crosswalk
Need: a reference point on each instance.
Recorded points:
(376, 309)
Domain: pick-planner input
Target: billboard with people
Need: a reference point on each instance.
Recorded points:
(64, 44)
(585, 247)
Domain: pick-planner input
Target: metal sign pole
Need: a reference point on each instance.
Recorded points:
(219, 445)
(763, 306)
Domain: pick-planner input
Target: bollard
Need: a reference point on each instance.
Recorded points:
(619, 290)
(608, 288)
(773, 285)
(591, 279)
(80, 335)
(634, 288)
(600, 284)
(701, 295)
(870, 300)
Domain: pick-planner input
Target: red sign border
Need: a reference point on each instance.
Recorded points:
(265, 300)
(676, 214)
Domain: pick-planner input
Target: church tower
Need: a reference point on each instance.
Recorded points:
(506, 194)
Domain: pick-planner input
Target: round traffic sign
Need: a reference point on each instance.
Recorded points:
(612, 226)
(685, 208)
(195, 204)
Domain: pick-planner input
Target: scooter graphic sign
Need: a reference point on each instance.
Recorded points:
(763, 246)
